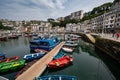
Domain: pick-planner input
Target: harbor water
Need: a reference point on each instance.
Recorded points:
(89, 63)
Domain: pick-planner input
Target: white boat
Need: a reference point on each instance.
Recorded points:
(67, 49)
(71, 43)
(30, 57)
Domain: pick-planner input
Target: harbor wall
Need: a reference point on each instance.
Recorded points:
(110, 47)
(107, 46)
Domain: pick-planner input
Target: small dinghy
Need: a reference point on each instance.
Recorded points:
(30, 57)
(67, 49)
(59, 55)
(61, 62)
(15, 58)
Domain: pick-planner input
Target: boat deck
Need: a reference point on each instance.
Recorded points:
(38, 68)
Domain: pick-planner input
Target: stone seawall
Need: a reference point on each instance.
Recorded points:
(110, 47)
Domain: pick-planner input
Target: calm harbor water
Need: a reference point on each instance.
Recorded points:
(89, 63)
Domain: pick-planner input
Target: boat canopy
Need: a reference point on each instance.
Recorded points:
(45, 42)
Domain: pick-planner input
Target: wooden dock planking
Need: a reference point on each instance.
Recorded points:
(38, 68)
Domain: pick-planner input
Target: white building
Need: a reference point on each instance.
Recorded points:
(77, 15)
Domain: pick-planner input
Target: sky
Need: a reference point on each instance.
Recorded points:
(44, 9)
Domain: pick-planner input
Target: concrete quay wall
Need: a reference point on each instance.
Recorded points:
(111, 47)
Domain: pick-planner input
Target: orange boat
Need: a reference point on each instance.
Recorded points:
(61, 62)
(10, 59)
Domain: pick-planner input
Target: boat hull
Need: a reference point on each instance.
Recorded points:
(10, 59)
(10, 66)
(30, 57)
(61, 62)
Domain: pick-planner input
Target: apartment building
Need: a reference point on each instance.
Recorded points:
(77, 15)
(106, 22)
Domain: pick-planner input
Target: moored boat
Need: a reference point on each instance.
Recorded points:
(71, 43)
(10, 66)
(2, 56)
(44, 43)
(59, 55)
(30, 57)
(13, 37)
(3, 38)
(10, 59)
(40, 50)
(56, 77)
(68, 49)
(61, 62)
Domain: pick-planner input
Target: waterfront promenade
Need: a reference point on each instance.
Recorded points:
(38, 68)
(108, 36)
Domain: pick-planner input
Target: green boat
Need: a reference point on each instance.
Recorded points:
(10, 66)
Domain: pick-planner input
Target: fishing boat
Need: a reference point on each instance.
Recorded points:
(44, 43)
(61, 62)
(68, 49)
(71, 43)
(40, 51)
(13, 37)
(59, 55)
(3, 38)
(10, 59)
(2, 56)
(56, 77)
(10, 66)
(75, 37)
(25, 68)
(30, 57)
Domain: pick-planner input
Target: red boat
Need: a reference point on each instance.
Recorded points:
(40, 50)
(61, 62)
(10, 59)
(25, 68)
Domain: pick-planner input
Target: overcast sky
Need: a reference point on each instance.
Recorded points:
(43, 9)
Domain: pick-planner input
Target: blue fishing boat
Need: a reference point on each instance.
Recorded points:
(56, 77)
(44, 43)
(59, 55)
(2, 56)
(30, 57)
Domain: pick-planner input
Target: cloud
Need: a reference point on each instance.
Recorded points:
(43, 9)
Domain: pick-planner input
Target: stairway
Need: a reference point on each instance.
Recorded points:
(91, 38)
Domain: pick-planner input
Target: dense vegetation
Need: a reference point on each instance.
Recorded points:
(97, 11)
(63, 23)
(5, 27)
